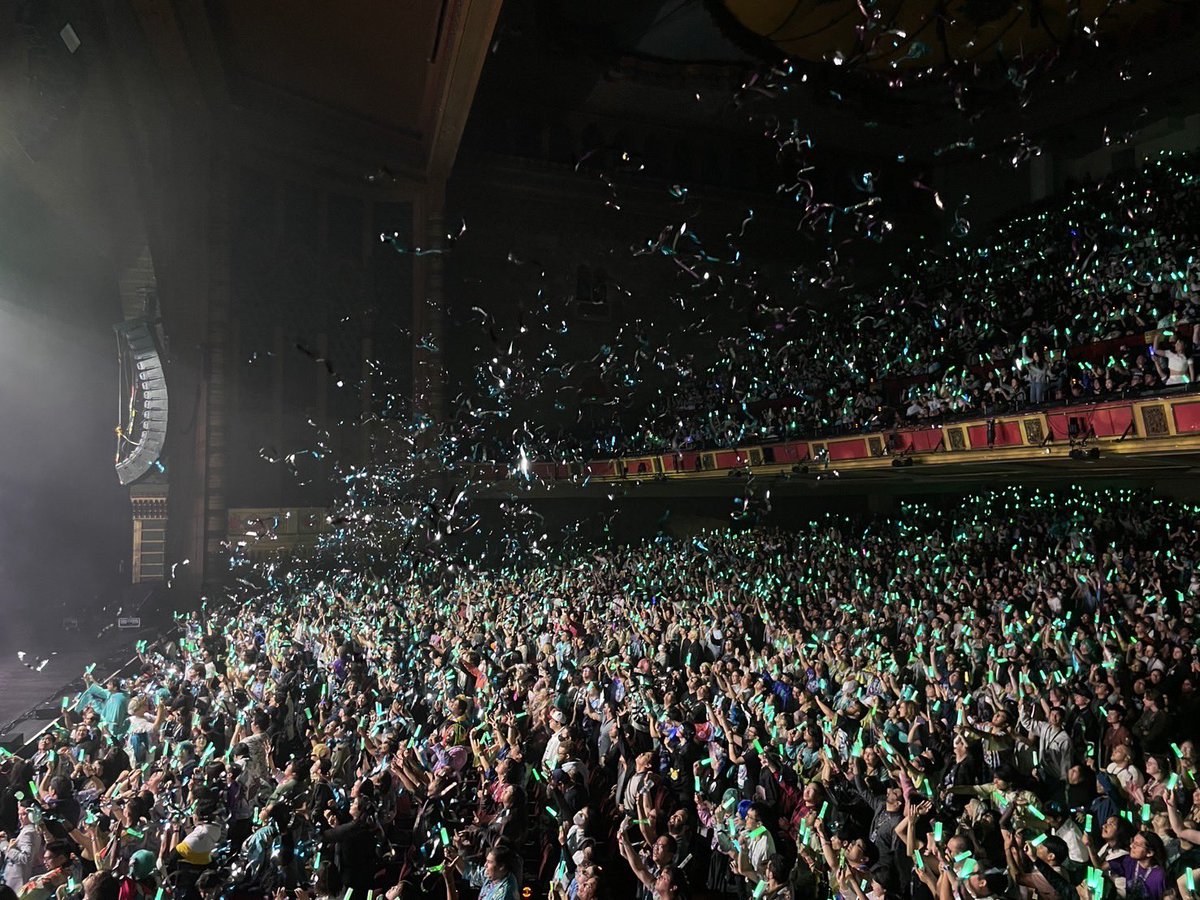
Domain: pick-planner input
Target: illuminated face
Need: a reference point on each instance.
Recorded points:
(856, 852)
(661, 852)
(493, 869)
(1108, 830)
(1139, 849)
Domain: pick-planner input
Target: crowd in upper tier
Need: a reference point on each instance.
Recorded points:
(995, 699)
(985, 326)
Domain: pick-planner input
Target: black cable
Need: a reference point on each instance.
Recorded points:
(802, 37)
(774, 31)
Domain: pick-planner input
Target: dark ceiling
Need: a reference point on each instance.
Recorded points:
(350, 61)
(981, 74)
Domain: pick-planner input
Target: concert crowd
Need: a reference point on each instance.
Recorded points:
(990, 699)
(1031, 312)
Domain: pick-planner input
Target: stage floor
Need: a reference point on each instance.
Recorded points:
(23, 687)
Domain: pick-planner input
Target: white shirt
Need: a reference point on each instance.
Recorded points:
(22, 853)
(1177, 365)
(1073, 836)
(1126, 776)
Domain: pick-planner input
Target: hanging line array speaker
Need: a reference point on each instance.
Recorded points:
(142, 425)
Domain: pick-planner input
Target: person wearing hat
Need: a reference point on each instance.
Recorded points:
(556, 721)
(140, 881)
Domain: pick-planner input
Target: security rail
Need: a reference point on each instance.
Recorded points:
(1152, 424)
